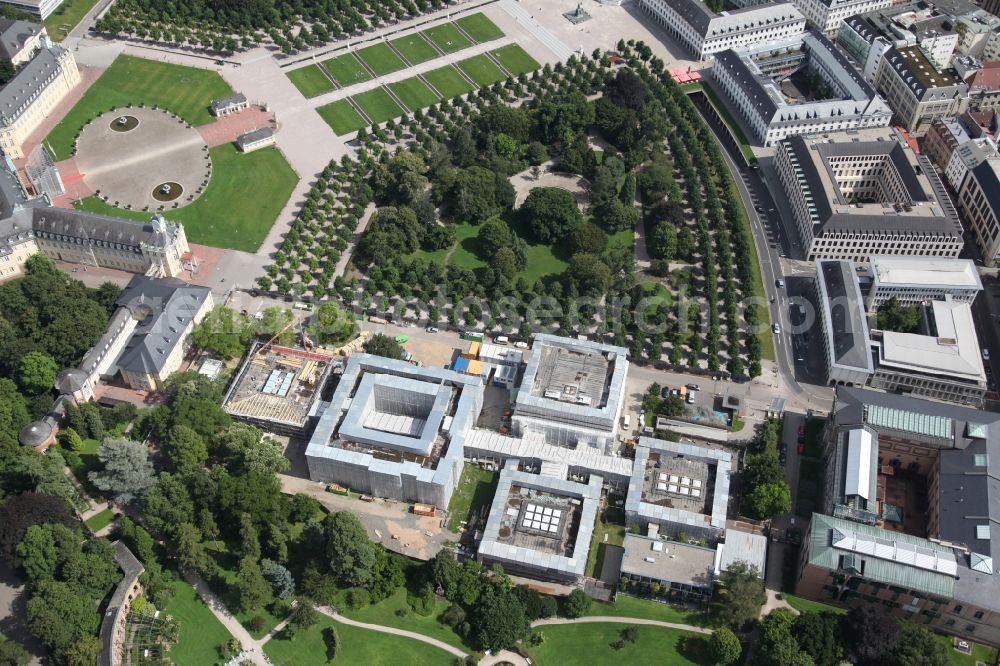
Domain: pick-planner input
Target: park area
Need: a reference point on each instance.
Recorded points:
(592, 644)
(184, 91)
(377, 105)
(243, 199)
(200, 632)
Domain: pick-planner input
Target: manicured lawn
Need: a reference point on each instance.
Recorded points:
(479, 27)
(475, 490)
(70, 12)
(311, 81)
(381, 59)
(385, 613)
(200, 631)
(346, 69)
(447, 38)
(415, 48)
(482, 70)
(414, 93)
(185, 91)
(810, 606)
(515, 59)
(448, 82)
(466, 252)
(101, 520)
(242, 200)
(355, 647)
(626, 606)
(980, 653)
(541, 262)
(591, 644)
(377, 105)
(612, 524)
(342, 117)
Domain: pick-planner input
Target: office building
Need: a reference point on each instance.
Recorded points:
(912, 280)
(918, 92)
(846, 353)
(979, 201)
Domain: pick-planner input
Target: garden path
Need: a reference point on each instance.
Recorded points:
(329, 612)
(600, 619)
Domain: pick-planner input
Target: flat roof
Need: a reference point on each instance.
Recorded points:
(951, 348)
(745, 547)
(506, 538)
(671, 561)
(846, 334)
(910, 62)
(925, 272)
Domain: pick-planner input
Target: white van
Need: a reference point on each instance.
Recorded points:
(627, 422)
(501, 340)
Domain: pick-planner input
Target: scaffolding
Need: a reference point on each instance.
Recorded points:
(43, 172)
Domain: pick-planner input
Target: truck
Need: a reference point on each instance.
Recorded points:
(682, 392)
(424, 510)
(338, 489)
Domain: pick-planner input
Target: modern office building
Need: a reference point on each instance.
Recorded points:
(31, 96)
(913, 280)
(956, 147)
(918, 92)
(844, 327)
(979, 201)
(929, 556)
(827, 15)
(395, 430)
(942, 361)
(681, 572)
(540, 526)
(705, 33)
(840, 98)
(864, 193)
(679, 488)
(40, 9)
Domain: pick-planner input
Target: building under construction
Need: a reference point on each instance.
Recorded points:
(278, 388)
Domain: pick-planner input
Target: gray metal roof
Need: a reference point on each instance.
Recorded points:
(29, 82)
(846, 333)
(14, 34)
(743, 546)
(35, 433)
(131, 570)
(167, 307)
(227, 102)
(254, 136)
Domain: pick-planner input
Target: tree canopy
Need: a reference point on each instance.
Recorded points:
(224, 332)
(739, 595)
(383, 345)
(550, 214)
(126, 471)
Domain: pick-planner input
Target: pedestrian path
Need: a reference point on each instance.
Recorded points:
(451, 649)
(251, 648)
(615, 619)
(529, 23)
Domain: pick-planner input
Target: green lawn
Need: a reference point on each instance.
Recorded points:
(448, 82)
(482, 70)
(101, 520)
(479, 27)
(447, 38)
(378, 105)
(355, 647)
(385, 613)
(242, 200)
(515, 59)
(346, 69)
(475, 490)
(185, 91)
(612, 524)
(591, 644)
(466, 252)
(414, 93)
(200, 631)
(311, 81)
(342, 117)
(70, 12)
(810, 606)
(415, 48)
(541, 262)
(626, 606)
(228, 563)
(84, 462)
(980, 653)
(381, 59)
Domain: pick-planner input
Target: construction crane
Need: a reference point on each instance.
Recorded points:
(276, 336)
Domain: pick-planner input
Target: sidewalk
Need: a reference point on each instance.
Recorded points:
(251, 648)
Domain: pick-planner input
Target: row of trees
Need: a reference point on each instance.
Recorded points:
(231, 25)
(765, 493)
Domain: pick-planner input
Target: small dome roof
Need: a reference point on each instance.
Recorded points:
(71, 380)
(35, 433)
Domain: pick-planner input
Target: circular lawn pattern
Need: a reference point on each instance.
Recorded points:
(128, 169)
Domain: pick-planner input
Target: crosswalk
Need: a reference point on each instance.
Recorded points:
(522, 16)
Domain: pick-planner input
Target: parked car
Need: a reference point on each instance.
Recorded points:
(801, 448)
(432, 329)
(782, 458)
(693, 387)
(783, 448)
(665, 392)
(986, 353)
(776, 329)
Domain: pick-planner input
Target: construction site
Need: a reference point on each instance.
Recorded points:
(278, 388)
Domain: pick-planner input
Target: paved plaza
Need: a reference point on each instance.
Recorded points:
(145, 159)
